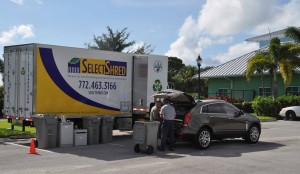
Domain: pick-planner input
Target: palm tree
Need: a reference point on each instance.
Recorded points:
(260, 63)
(282, 57)
(293, 33)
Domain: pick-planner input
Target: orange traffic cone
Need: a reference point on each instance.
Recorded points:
(32, 148)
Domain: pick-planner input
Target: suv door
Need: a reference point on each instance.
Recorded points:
(216, 116)
(235, 122)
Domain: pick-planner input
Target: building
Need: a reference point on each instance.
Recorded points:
(229, 79)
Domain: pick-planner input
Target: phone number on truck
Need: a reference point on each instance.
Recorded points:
(97, 85)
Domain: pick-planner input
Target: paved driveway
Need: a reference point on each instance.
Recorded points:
(278, 151)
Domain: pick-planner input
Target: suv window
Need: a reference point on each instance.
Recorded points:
(229, 109)
(212, 108)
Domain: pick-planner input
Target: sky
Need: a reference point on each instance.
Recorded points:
(215, 29)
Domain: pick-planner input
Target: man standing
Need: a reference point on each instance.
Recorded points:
(154, 113)
(155, 116)
(168, 114)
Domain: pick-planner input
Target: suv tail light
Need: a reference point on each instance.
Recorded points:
(187, 118)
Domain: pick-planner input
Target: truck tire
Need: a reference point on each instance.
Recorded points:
(36, 143)
(137, 148)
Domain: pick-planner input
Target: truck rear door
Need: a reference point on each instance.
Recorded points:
(140, 77)
(18, 81)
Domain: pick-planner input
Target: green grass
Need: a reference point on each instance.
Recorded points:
(5, 130)
(266, 118)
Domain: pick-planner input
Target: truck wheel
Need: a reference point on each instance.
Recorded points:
(203, 138)
(253, 134)
(137, 148)
(150, 150)
(36, 143)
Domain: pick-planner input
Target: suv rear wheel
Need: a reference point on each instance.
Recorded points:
(203, 138)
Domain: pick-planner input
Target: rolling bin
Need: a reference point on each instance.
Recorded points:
(145, 136)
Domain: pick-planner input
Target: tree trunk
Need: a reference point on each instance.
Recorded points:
(262, 84)
(275, 86)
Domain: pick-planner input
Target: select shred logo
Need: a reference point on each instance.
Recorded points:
(96, 66)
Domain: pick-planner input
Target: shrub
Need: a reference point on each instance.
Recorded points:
(289, 100)
(238, 105)
(247, 107)
(266, 106)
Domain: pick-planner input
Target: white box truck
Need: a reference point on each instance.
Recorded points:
(74, 82)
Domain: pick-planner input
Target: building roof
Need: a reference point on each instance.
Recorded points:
(265, 37)
(233, 68)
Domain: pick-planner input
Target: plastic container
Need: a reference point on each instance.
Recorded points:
(80, 137)
(46, 131)
(106, 129)
(145, 136)
(65, 134)
(92, 125)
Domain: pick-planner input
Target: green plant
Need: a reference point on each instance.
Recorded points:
(247, 107)
(289, 100)
(266, 106)
(238, 105)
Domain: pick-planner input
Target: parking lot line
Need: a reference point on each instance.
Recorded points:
(280, 138)
(14, 144)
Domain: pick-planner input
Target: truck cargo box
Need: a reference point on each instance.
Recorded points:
(47, 79)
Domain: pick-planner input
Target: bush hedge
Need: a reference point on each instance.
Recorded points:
(263, 106)
(268, 107)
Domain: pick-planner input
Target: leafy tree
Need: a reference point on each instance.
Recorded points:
(1, 68)
(144, 49)
(174, 65)
(184, 78)
(282, 57)
(293, 33)
(1, 87)
(260, 63)
(112, 41)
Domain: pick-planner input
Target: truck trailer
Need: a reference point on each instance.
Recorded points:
(73, 83)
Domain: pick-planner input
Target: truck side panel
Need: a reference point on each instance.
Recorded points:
(158, 80)
(72, 81)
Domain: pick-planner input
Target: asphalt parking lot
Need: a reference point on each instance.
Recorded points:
(277, 152)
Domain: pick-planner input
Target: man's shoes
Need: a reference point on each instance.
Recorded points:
(160, 149)
(171, 149)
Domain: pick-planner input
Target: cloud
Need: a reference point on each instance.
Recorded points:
(234, 51)
(218, 17)
(188, 47)
(219, 22)
(134, 47)
(154, 3)
(39, 1)
(20, 2)
(286, 15)
(21, 31)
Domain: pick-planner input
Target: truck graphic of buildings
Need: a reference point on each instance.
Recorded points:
(74, 65)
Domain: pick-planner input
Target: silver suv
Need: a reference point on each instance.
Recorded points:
(217, 119)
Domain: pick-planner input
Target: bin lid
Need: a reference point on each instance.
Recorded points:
(51, 120)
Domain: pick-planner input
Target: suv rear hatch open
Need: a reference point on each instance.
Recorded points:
(181, 101)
